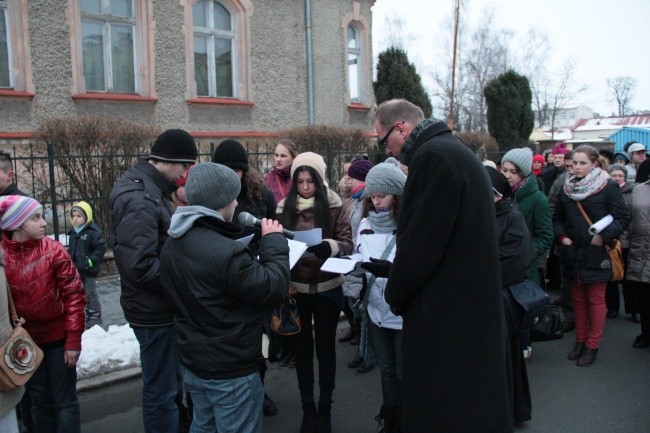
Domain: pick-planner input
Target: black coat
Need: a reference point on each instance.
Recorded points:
(263, 208)
(86, 245)
(515, 244)
(12, 190)
(582, 261)
(445, 280)
(140, 214)
(218, 290)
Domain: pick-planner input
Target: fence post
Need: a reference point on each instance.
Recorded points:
(55, 214)
(330, 161)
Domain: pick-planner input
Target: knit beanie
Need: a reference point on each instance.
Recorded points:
(212, 185)
(15, 210)
(621, 155)
(539, 158)
(522, 158)
(84, 209)
(618, 167)
(499, 182)
(385, 178)
(174, 145)
(231, 154)
(359, 169)
(560, 149)
(312, 160)
(489, 163)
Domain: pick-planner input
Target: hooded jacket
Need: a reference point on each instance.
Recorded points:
(218, 291)
(87, 247)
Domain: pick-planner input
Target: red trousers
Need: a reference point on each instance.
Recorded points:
(589, 310)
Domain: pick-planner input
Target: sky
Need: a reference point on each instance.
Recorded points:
(606, 39)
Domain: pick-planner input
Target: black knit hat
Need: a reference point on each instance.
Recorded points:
(231, 154)
(174, 145)
(499, 182)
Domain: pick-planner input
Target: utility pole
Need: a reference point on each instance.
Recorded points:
(453, 68)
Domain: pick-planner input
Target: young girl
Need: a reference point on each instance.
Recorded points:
(376, 240)
(311, 204)
(587, 266)
(49, 295)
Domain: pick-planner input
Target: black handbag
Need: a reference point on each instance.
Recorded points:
(285, 319)
(549, 326)
(525, 304)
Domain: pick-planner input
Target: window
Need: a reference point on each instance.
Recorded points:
(217, 51)
(107, 40)
(111, 43)
(15, 62)
(214, 37)
(354, 64)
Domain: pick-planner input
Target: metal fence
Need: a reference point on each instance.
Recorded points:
(43, 176)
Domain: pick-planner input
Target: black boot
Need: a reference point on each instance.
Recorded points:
(308, 417)
(357, 332)
(323, 419)
(578, 349)
(388, 419)
(587, 358)
(356, 362)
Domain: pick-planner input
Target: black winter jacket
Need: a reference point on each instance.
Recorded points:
(514, 241)
(218, 291)
(583, 262)
(264, 208)
(140, 213)
(86, 245)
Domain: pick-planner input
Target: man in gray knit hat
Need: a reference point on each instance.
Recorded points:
(218, 290)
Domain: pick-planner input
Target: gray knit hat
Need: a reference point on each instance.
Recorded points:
(212, 185)
(385, 178)
(522, 158)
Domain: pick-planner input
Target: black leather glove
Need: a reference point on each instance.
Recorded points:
(379, 268)
(323, 250)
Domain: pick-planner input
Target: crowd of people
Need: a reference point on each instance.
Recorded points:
(198, 288)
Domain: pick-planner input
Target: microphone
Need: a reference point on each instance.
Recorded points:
(247, 219)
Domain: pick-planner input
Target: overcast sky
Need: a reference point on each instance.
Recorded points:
(607, 39)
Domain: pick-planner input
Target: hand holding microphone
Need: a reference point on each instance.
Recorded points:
(267, 225)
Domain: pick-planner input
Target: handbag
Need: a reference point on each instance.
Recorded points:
(285, 319)
(615, 252)
(549, 326)
(525, 304)
(19, 355)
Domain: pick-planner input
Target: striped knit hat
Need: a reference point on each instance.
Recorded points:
(15, 210)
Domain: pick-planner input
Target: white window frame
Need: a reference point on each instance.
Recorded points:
(107, 21)
(360, 70)
(356, 20)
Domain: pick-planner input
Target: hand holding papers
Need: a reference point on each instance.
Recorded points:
(338, 266)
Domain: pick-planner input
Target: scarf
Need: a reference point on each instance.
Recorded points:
(519, 184)
(381, 221)
(305, 203)
(358, 191)
(78, 229)
(185, 216)
(408, 144)
(578, 189)
(538, 172)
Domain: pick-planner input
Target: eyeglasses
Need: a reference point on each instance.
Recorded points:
(382, 142)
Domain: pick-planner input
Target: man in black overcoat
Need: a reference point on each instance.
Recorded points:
(445, 281)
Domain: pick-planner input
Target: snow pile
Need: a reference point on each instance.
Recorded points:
(105, 351)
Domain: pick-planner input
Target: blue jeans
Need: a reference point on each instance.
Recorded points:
(226, 405)
(93, 307)
(53, 391)
(160, 377)
(387, 344)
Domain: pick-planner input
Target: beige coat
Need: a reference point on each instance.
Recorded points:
(638, 262)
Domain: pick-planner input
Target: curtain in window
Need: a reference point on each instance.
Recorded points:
(201, 65)
(223, 65)
(122, 58)
(5, 78)
(92, 41)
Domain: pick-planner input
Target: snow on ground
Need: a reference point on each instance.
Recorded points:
(106, 351)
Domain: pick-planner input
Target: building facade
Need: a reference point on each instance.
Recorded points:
(213, 67)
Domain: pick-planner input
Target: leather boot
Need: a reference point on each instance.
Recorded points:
(308, 417)
(365, 367)
(357, 332)
(323, 419)
(578, 349)
(356, 362)
(588, 357)
(347, 335)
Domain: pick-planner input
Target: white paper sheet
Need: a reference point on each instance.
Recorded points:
(338, 266)
(309, 237)
(246, 239)
(600, 225)
(296, 250)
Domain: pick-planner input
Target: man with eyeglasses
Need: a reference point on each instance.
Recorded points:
(445, 280)
(7, 175)
(140, 214)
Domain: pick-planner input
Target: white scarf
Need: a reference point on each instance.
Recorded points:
(579, 189)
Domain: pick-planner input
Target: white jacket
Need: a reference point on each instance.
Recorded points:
(373, 245)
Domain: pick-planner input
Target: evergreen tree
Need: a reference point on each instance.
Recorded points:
(509, 113)
(397, 78)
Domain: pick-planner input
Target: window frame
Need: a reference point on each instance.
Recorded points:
(360, 72)
(143, 58)
(359, 23)
(20, 68)
(241, 11)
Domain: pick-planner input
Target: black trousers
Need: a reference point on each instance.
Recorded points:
(642, 291)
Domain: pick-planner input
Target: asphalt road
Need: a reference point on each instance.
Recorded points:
(613, 395)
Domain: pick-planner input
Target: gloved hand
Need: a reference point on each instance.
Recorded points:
(90, 262)
(323, 250)
(379, 268)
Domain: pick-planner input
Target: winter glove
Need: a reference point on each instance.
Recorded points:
(379, 268)
(90, 262)
(323, 250)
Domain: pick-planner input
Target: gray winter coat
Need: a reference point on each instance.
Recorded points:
(638, 261)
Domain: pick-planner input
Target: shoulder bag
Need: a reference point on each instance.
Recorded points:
(19, 355)
(615, 252)
(285, 319)
(525, 304)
